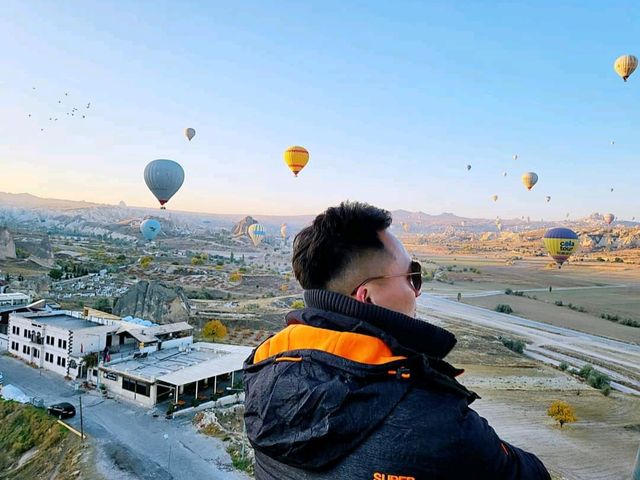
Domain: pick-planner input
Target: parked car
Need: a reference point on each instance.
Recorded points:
(62, 410)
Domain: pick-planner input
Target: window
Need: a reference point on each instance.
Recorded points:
(136, 386)
(64, 362)
(48, 357)
(26, 350)
(15, 346)
(59, 343)
(25, 334)
(64, 344)
(50, 340)
(15, 330)
(36, 353)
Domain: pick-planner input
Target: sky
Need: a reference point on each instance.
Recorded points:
(392, 99)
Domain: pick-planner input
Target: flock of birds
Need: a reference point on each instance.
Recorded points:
(60, 113)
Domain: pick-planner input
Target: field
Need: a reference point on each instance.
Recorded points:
(516, 393)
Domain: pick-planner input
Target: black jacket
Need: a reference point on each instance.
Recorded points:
(315, 413)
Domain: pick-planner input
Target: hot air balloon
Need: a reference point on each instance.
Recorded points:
(611, 189)
(613, 142)
(468, 167)
(504, 174)
(547, 198)
(256, 233)
(609, 218)
(560, 243)
(164, 178)
(406, 227)
(515, 157)
(190, 133)
(150, 228)
(625, 66)
(283, 231)
(296, 158)
(494, 198)
(529, 179)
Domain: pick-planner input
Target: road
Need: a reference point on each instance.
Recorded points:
(574, 346)
(129, 441)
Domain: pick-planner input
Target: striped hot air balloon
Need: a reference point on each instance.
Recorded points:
(609, 218)
(296, 158)
(625, 66)
(256, 233)
(560, 243)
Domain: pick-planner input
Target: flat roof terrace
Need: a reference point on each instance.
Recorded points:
(180, 367)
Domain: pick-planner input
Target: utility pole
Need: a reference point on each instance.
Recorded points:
(81, 421)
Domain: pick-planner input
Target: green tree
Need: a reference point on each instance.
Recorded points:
(103, 305)
(55, 274)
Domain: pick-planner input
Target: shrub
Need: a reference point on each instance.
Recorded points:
(631, 323)
(559, 303)
(563, 366)
(297, 304)
(503, 308)
(214, 330)
(513, 345)
(508, 291)
(518, 293)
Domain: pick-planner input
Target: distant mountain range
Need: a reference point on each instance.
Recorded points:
(26, 210)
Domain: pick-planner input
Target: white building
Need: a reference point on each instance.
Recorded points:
(9, 301)
(200, 372)
(56, 341)
(59, 341)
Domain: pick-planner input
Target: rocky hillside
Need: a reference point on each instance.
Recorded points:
(153, 301)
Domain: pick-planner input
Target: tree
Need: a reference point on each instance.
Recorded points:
(145, 262)
(103, 305)
(235, 276)
(297, 305)
(198, 259)
(214, 330)
(562, 412)
(55, 274)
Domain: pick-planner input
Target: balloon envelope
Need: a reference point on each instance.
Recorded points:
(495, 198)
(547, 198)
(190, 133)
(625, 66)
(296, 158)
(515, 157)
(164, 178)
(283, 230)
(150, 228)
(609, 218)
(468, 167)
(560, 243)
(256, 233)
(529, 179)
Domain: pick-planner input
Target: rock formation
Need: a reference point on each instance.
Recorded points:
(241, 227)
(7, 246)
(153, 301)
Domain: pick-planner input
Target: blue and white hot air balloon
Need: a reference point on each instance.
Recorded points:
(150, 228)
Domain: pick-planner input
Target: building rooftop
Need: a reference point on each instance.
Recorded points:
(60, 320)
(182, 366)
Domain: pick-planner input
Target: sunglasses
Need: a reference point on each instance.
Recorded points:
(414, 276)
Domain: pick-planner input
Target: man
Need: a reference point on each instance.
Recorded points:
(355, 387)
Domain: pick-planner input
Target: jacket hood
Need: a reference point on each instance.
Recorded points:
(318, 388)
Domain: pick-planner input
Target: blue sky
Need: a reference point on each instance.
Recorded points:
(392, 99)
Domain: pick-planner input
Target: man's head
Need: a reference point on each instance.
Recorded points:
(347, 249)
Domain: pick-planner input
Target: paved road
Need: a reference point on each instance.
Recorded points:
(130, 441)
(491, 293)
(617, 355)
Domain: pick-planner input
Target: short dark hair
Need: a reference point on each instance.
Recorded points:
(337, 237)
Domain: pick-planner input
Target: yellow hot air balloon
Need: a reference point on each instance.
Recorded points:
(529, 179)
(561, 243)
(494, 198)
(296, 158)
(625, 66)
(283, 231)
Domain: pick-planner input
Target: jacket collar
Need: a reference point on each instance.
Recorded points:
(399, 331)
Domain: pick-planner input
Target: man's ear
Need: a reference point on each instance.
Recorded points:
(362, 295)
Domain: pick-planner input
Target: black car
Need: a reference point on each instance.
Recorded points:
(62, 410)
